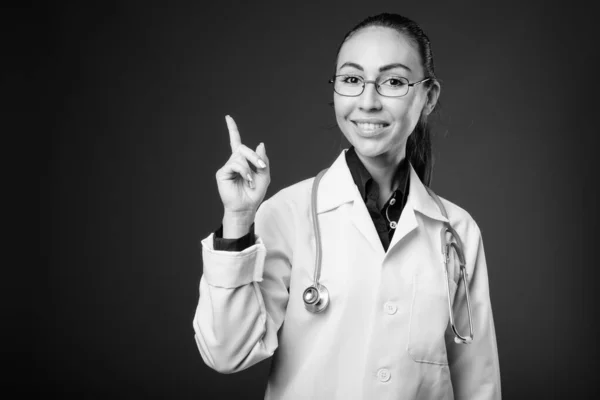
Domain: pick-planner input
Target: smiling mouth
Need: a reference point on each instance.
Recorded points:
(368, 127)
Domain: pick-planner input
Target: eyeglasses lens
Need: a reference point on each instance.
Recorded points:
(354, 86)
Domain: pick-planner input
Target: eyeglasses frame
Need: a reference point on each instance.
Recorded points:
(377, 86)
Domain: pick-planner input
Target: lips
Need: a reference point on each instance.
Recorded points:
(370, 127)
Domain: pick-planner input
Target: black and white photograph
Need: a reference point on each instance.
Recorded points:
(336, 200)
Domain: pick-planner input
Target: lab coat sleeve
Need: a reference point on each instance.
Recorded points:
(243, 295)
(474, 367)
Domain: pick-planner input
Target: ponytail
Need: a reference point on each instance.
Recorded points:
(418, 151)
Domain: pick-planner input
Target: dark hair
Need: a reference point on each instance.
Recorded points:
(418, 145)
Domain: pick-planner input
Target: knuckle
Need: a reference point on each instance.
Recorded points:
(237, 156)
(242, 152)
(249, 152)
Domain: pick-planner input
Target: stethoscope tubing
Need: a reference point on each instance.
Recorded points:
(316, 227)
(316, 296)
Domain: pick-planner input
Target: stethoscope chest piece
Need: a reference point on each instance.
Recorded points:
(316, 298)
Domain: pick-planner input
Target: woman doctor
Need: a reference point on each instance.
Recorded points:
(385, 332)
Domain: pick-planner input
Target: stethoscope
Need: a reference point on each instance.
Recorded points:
(316, 296)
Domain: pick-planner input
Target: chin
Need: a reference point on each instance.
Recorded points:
(377, 148)
(369, 147)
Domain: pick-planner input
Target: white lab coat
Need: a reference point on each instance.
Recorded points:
(385, 333)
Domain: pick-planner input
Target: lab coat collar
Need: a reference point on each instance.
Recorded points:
(420, 200)
(337, 187)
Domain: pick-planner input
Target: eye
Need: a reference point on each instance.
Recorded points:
(395, 82)
(351, 79)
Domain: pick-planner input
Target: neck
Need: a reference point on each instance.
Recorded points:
(383, 169)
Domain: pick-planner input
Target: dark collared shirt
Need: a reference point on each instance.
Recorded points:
(369, 191)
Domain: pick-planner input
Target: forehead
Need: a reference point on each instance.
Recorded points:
(374, 47)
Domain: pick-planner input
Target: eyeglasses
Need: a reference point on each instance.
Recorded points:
(354, 85)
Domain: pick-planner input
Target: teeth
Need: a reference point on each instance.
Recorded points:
(368, 126)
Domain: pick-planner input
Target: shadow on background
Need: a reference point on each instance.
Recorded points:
(135, 98)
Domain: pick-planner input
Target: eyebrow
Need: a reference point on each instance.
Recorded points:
(381, 69)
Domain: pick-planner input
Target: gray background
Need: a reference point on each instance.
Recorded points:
(129, 112)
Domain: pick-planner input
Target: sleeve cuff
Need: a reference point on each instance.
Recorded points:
(238, 244)
(227, 269)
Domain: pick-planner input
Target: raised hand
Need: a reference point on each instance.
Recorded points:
(243, 180)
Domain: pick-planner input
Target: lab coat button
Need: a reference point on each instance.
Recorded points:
(390, 308)
(384, 375)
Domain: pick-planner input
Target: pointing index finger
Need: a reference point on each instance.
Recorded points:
(234, 133)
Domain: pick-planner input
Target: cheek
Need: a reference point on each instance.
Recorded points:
(342, 107)
(408, 114)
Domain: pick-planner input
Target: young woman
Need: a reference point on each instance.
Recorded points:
(376, 317)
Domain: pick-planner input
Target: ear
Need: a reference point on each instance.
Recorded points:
(433, 93)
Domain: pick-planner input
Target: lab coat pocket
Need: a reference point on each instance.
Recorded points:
(429, 316)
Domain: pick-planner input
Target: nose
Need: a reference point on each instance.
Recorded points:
(369, 99)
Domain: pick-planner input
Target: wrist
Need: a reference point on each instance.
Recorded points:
(237, 223)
